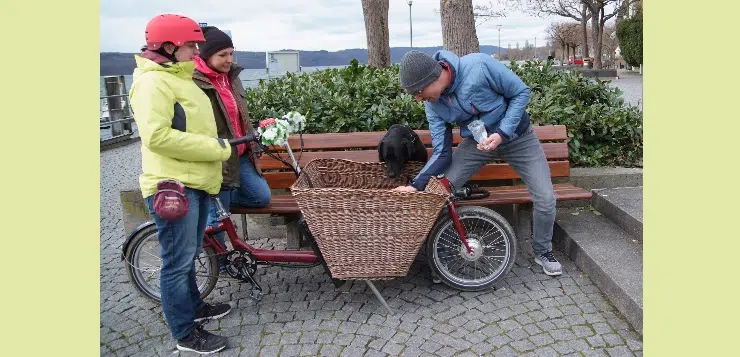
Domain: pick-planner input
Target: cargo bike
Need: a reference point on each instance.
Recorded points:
(358, 229)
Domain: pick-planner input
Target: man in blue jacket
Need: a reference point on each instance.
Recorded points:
(458, 90)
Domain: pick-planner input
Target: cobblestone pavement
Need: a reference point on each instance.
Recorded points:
(302, 314)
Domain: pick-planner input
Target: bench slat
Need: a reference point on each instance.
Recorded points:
(552, 151)
(332, 141)
(286, 204)
(285, 179)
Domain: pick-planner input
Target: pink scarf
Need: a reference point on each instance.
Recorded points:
(223, 86)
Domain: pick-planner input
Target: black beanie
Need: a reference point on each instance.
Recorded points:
(216, 40)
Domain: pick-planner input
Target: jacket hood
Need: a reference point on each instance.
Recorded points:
(179, 69)
(454, 62)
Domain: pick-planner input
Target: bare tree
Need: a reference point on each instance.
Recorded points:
(458, 27)
(610, 41)
(573, 9)
(556, 34)
(483, 13)
(571, 32)
(599, 18)
(375, 13)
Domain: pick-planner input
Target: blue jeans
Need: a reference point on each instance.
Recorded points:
(527, 158)
(181, 242)
(253, 191)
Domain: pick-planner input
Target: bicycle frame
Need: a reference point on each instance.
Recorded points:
(261, 255)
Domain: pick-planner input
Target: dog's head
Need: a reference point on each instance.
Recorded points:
(395, 151)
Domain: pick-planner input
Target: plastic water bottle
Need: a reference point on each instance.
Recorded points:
(479, 130)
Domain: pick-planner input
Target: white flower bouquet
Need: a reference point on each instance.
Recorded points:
(276, 131)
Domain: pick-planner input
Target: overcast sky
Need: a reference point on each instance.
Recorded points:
(331, 25)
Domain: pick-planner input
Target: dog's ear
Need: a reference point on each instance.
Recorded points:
(381, 157)
(409, 149)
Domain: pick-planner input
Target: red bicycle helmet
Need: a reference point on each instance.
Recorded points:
(172, 28)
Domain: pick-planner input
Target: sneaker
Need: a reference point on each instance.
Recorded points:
(212, 312)
(549, 264)
(201, 341)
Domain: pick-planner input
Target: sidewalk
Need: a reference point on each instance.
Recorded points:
(530, 314)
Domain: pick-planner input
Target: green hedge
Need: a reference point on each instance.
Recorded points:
(604, 131)
(629, 33)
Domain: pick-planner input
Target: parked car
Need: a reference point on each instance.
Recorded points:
(578, 60)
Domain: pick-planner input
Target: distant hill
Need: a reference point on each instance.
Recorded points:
(117, 63)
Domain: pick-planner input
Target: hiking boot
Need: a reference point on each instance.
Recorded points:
(212, 312)
(549, 264)
(201, 341)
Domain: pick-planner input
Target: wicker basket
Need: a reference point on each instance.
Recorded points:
(364, 230)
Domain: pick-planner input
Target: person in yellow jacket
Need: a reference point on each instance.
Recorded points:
(179, 143)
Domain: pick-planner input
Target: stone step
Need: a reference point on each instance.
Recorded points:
(610, 256)
(623, 205)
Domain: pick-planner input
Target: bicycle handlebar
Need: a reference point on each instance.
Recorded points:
(253, 136)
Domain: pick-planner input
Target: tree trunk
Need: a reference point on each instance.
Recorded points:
(600, 40)
(596, 38)
(584, 30)
(458, 27)
(562, 54)
(376, 29)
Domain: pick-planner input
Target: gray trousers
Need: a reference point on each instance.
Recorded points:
(527, 158)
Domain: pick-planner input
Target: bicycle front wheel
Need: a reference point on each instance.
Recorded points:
(493, 243)
(143, 264)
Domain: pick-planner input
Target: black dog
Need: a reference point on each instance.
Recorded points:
(399, 146)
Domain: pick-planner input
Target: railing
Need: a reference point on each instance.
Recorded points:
(116, 116)
(115, 111)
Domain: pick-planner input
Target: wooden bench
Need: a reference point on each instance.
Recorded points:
(498, 178)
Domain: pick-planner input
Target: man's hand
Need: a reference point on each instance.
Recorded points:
(490, 143)
(404, 189)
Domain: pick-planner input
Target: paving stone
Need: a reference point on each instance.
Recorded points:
(619, 351)
(290, 351)
(325, 337)
(595, 353)
(270, 351)
(634, 345)
(542, 339)
(374, 353)
(430, 346)
(330, 351)
(499, 341)
(562, 335)
(445, 352)
(596, 341)
(546, 352)
(517, 334)
(523, 345)
(310, 349)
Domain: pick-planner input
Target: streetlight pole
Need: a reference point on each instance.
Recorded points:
(499, 40)
(411, 30)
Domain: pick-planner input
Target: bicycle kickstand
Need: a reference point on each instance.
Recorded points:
(380, 297)
(256, 292)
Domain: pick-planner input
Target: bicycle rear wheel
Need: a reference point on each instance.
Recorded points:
(493, 243)
(143, 264)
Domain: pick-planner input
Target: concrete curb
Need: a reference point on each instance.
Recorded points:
(592, 178)
(623, 206)
(608, 255)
